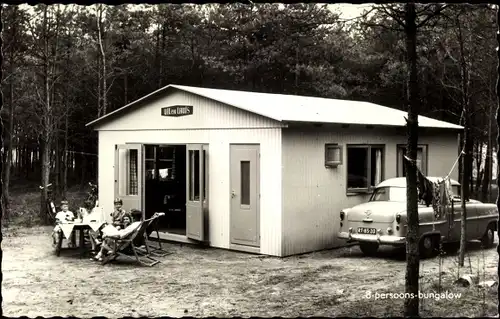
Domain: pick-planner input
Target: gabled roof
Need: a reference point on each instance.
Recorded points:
(294, 108)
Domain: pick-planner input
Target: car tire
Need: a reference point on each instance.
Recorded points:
(428, 247)
(488, 239)
(369, 249)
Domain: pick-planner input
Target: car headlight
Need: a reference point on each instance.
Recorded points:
(398, 218)
(342, 215)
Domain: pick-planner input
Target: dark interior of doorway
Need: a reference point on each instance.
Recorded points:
(165, 186)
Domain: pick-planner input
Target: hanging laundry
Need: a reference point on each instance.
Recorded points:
(436, 201)
(445, 191)
(428, 192)
(439, 194)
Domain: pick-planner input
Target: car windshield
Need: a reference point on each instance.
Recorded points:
(398, 194)
(391, 194)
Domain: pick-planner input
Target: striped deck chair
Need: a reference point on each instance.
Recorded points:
(126, 246)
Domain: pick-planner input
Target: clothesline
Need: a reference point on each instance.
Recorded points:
(435, 193)
(452, 168)
(455, 164)
(82, 153)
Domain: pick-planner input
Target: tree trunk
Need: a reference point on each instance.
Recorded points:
(103, 60)
(411, 305)
(498, 157)
(487, 164)
(297, 68)
(28, 163)
(57, 168)
(468, 147)
(84, 169)
(480, 173)
(65, 157)
(8, 156)
(162, 52)
(125, 85)
(46, 126)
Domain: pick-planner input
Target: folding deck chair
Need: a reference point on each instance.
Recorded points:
(127, 248)
(155, 251)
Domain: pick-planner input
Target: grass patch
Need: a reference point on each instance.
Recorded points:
(25, 205)
(453, 301)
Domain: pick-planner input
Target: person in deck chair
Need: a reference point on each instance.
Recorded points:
(120, 219)
(119, 214)
(113, 232)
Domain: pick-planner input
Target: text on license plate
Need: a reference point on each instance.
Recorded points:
(370, 231)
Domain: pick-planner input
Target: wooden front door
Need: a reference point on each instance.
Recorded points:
(196, 191)
(245, 195)
(129, 175)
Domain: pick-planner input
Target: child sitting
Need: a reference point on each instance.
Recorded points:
(64, 216)
(119, 214)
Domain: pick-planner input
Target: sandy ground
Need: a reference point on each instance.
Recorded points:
(204, 282)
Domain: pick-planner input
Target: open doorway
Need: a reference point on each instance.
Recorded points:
(165, 186)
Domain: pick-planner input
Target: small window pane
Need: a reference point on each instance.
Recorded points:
(123, 177)
(357, 167)
(420, 161)
(150, 170)
(150, 151)
(194, 175)
(134, 186)
(245, 183)
(165, 152)
(376, 166)
(205, 167)
(165, 170)
(174, 161)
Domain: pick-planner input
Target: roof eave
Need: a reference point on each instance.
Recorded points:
(104, 117)
(455, 127)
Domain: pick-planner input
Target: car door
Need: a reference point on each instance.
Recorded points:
(472, 228)
(455, 215)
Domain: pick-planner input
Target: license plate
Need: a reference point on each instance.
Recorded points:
(369, 231)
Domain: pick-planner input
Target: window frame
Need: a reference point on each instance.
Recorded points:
(425, 159)
(368, 147)
(156, 161)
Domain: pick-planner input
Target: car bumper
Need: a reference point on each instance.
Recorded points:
(381, 239)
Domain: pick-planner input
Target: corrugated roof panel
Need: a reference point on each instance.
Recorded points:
(294, 108)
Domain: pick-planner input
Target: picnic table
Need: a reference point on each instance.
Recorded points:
(69, 229)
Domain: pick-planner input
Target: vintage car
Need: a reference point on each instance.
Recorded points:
(382, 220)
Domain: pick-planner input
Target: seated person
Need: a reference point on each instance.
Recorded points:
(118, 214)
(109, 233)
(64, 216)
(127, 220)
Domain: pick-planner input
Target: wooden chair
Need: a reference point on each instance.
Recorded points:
(150, 250)
(126, 247)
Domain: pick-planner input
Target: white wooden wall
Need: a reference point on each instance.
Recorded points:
(217, 125)
(314, 195)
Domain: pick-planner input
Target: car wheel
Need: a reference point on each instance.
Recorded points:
(369, 249)
(428, 247)
(488, 239)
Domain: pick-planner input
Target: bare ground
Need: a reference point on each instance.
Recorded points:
(204, 282)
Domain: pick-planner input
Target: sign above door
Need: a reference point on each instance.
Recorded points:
(177, 110)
